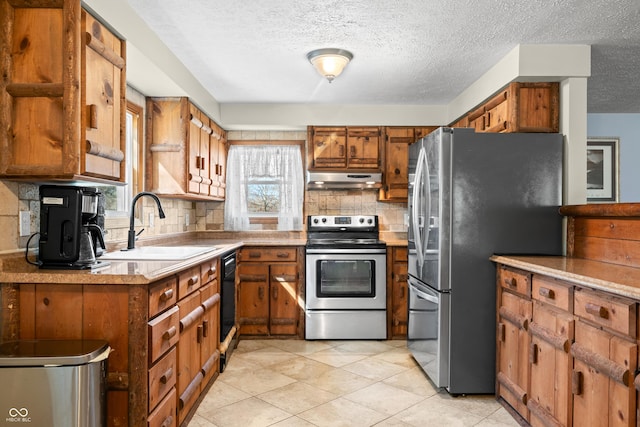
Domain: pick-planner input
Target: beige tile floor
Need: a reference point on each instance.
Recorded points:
(287, 383)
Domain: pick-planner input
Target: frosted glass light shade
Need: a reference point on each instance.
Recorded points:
(329, 62)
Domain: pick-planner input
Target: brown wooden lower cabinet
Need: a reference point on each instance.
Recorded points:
(566, 355)
(165, 346)
(270, 282)
(397, 292)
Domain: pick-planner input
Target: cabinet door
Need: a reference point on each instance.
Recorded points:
(602, 383)
(104, 102)
(514, 315)
(253, 299)
(396, 170)
(552, 332)
(363, 147)
(194, 158)
(283, 312)
(400, 299)
(189, 372)
(329, 147)
(209, 355)
(217, 161)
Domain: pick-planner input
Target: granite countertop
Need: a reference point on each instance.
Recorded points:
(612, 278)
(17, 270)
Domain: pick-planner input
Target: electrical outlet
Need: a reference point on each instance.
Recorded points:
(186, 219)
(25, 223)
(151, 219)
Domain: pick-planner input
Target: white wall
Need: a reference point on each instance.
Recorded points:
(627, 128)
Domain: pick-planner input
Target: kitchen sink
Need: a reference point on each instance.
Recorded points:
(158, 253)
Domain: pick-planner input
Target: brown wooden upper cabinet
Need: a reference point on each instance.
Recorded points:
(186, 151)
(518, 107)
(395, 179)
(62, 96)
(342, 148)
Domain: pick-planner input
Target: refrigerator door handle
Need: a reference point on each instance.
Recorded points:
(417, 222)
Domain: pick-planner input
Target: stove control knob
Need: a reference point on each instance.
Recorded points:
(315, 220)
(361, 220)
(324, 220)
(370, 221)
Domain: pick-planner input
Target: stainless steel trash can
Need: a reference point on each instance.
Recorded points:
(57, 383)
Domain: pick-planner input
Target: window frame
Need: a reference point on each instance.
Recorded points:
(273, 218)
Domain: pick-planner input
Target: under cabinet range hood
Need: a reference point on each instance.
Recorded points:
(343, 180)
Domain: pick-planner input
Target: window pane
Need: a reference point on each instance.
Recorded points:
(263, 197)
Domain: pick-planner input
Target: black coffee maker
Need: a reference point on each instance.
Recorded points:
(71, 227)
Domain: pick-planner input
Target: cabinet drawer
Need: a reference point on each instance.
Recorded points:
(268, 254)
(616, 313)
(188, 281)
(162, 295)
(162, 378)
(163, 333)
(515, 280)
(209, 271)
(165, 414)
(552, 291)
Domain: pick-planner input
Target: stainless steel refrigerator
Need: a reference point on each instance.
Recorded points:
(472, 195)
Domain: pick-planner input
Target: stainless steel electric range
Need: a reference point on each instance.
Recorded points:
(346, 271)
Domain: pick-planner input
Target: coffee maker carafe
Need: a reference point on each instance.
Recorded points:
(70, 231)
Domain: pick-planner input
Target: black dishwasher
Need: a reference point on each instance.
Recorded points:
(228, 330)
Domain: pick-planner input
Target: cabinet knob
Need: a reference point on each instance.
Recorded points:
(169, 333)
(168, 422)
(166, 295)
(547, 293)
(165, 377)
(192, 281)
(596, 310)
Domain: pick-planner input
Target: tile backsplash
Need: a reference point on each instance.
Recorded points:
(202, 216)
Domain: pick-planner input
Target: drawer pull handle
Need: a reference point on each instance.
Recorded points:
(547, 293)
(603, 364)
(165, 377)
(192, 280)
(501, 331)
(260, 293)
(211, 271)
(596, 310)
(576, 383)
(167, 422)
(283, 255)
(255, 254)
(275, 292)
(253, 277)
(166, 295)
(512, 282)
(169, 333)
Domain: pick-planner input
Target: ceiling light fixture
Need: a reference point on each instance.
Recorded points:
(329, 62)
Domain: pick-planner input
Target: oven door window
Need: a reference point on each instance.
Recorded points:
(346, 278)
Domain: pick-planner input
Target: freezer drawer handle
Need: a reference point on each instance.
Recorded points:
(425, 296)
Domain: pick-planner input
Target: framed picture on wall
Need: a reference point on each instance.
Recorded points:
(602, 170)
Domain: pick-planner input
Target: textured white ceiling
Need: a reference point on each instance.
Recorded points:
(406, 52)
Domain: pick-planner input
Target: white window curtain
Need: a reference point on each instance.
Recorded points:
(283, 163)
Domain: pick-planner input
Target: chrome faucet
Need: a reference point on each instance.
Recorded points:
(131, 242)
